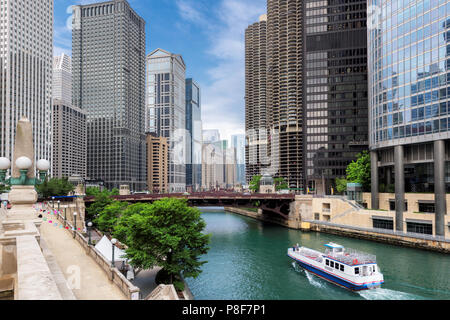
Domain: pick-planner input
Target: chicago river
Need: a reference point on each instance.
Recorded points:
(248, 261)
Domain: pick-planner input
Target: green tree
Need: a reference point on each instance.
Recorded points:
(101, 201)
(108, 217)
(255, 183)
(341, 185)
(55, 188)
(95, 191)
(280, 184)
(359, 171)
(168, 234)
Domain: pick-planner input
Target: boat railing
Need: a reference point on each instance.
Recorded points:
(311, 254)
(352, 257)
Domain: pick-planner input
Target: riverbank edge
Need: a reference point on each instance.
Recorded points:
(427, 245)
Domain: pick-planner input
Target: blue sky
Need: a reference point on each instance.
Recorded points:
(209, 34)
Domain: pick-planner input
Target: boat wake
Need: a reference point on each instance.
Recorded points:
(313, 280)
(386, 294)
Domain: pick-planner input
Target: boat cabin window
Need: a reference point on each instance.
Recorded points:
(342, 267)
(336, 266)
(332, 264)
(356, 270)
(327, 262)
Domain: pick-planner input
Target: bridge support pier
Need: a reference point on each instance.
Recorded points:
(300, 210)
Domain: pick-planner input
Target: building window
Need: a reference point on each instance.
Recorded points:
(422, 228)
(392, 205)
(427, 207)
(383, 224)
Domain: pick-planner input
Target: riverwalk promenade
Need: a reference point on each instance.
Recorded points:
(86, 279)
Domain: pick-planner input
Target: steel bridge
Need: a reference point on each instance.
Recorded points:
(269, 203)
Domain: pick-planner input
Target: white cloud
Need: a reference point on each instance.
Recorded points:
(223, 95)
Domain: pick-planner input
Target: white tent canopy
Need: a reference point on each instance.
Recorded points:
(104, 246)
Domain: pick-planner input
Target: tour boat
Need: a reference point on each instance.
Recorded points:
(345, 267)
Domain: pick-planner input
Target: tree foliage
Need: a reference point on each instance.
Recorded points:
(341, 185)
(55, 188)
(280, 184)
(255, 184)
(108, 217)
(101, 201)
(168, 234)
(359, 171)
(95, 191)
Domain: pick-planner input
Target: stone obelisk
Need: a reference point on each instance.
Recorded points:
(22, 198)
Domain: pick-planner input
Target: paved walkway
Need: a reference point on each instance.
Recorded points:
(87, 280)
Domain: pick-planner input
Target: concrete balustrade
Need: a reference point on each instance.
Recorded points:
(35, 281)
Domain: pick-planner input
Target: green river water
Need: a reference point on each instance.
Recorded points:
(247, 260)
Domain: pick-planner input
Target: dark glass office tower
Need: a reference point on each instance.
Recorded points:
(195, 128)
(335, 89)
(108, 43)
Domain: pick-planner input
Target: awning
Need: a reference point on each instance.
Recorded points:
(382, 218)
(419, 221)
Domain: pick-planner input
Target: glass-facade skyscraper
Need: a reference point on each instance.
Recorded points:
(194, 142)
(166, 110)
(409, 109)
(108, 45)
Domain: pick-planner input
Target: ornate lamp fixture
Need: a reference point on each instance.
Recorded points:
(24, 164)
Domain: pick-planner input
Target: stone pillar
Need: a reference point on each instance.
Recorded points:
(374, 180)
(399, 186)
(439, 187)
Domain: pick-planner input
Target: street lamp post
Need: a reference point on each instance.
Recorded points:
(89, 231)
(59, 206)
(53, 203)
(113, 241)
(65, 217)
(75, 224)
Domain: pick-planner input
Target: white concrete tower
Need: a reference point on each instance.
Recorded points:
(26, 54)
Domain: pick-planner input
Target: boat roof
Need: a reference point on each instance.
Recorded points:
(334, 245)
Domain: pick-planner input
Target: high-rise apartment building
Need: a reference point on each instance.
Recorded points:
(69, 140)
(108, 45)
(166, 110)
(335, 89)
(285, 48)
(256, 97)
(409, 107)
(194, 140)
(157, 164)
(26, 55)
(62, 79)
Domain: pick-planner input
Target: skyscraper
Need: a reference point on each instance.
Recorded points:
(108, 44)
(238, 143)
(335, 89)
(194, 141)
(409, 107)
(285, 47)
(26, 55)
(256, 96)
(157, 164)
(69, 124)
(166, 110)
(62, 79)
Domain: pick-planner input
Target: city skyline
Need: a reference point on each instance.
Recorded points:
(174, 26)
